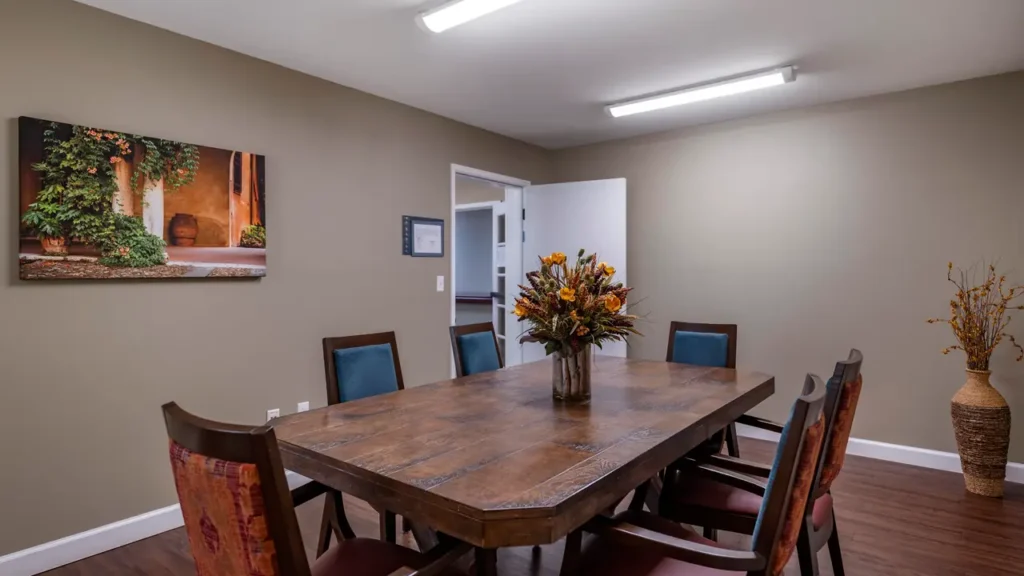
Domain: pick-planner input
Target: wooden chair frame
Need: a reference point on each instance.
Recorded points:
(755, 562)
(358, 341)
(649, 493)
(455, 331)
(731, 439)
(334, 520)
(811, 541)
(247, 445)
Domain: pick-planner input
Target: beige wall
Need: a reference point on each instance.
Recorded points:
(830, 227)
(84, 368)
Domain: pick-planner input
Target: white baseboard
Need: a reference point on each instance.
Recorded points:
(76, 547)
(923, 457)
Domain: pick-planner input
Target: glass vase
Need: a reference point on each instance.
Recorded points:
(570, 380)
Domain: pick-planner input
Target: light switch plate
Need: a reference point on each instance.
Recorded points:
(273, 413)
(440, 283)
(303, 407)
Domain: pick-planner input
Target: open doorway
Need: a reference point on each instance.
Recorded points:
(486, 265)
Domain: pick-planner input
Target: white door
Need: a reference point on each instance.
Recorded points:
(567, 217)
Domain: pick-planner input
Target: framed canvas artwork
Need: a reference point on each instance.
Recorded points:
(102, 204)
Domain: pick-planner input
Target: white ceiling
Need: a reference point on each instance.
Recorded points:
(542, 70)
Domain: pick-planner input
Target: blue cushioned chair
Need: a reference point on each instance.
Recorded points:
(476, 349)
(358, 367)
(706, 345)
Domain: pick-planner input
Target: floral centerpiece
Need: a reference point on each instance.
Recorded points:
(570, 308)
(979, 316)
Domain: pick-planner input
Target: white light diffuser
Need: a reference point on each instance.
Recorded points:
(737, 85)
(458, 12)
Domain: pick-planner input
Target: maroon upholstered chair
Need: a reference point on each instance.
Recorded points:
(637, 543)
(240, 517)
(714, 502)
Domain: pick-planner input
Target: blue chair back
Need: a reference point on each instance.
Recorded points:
(475, 347)
(702, 344)
(361, 366)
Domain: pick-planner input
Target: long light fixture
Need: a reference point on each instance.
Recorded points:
(458, 12)
(737, 85)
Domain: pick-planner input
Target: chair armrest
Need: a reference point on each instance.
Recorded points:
(760, 423)
(307, 492)
(734, 479)
(677, 548)
(736, 465)
(441, 557)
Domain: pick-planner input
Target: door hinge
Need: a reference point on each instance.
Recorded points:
(524, 213)
(524, 236)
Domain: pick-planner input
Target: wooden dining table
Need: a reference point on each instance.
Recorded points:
(493, 460)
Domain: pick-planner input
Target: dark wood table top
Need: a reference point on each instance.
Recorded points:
(493, 460)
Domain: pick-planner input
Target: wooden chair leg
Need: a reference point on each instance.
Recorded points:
(485, 562)
(805, 553)
(323, 542)
(834, 552)
(388, 527)
(639, 496)
(571, 556)
(732, 441)
(340, 519)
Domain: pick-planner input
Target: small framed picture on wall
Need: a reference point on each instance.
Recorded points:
(422, 237)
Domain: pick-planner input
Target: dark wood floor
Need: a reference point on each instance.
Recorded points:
(894, 520)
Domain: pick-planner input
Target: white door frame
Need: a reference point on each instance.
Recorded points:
(515, 206)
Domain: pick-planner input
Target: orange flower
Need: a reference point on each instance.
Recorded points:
(606, 269)
(612, 303)
(557, 258)
(545, 260)
(115, 159)
(582, 331)
(519, 310)
(574, 316)
(92, 170)
(567, 294)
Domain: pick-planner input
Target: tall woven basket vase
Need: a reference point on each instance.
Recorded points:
(981, 422)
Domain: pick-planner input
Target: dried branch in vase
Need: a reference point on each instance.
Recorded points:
(979, 315)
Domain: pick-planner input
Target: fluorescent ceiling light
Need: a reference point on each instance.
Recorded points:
(458, 12)
(736, 85)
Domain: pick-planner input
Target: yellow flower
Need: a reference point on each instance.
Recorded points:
(546, 260)
(520, 311)
(612, 303)
(608, 270)
(557, 258)
(566, 293)
(582, 331)
(574, 316)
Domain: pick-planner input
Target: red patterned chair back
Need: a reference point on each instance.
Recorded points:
(792, 477)
(234, 498)
(843, 393)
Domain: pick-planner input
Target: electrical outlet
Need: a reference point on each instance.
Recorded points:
(440, 283)
(273, 413)
(303, 407)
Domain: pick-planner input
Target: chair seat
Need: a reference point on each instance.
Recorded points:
(700, 492)
(368, 557)
(602, 557)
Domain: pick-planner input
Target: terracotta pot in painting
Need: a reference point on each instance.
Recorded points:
(981, 421)
(184, 230)
(54, 246)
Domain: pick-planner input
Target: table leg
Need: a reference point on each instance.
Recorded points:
(486, 562)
